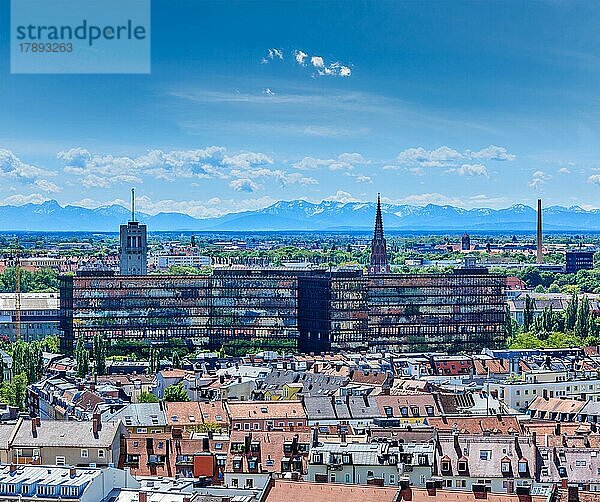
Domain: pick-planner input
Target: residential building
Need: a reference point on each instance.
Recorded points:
(39, 315)
(52, 442)
(266, 415)
(55, 483)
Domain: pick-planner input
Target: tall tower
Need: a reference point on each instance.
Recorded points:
(133, 245)
(379, 262)
(539, 258)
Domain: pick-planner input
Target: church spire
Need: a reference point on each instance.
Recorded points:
(379, 263)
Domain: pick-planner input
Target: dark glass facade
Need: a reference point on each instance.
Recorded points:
(578, 260)
(308, 310)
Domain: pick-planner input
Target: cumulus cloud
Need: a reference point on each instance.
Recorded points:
(272, 54)
(300, 57)
(538, 179)
(100, 170)
(12, 166)
(244, 185)
(595, 179)
(21, 199)
(47, 186)
(417, 159)
(471, 170)
(320, 66)
(344, 161)
(564, 170)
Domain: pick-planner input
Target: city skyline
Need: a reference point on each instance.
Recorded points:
(473, 105)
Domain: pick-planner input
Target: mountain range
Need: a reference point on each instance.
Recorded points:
(303, 215)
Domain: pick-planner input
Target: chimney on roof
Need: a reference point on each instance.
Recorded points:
(142, 497)
(95, 428)
(539, 257)
(34, 427)
(315, 437)
(98, 418)
(205, 444)
(557, 429)
(72, 472)
(13, 468)
(38, 421)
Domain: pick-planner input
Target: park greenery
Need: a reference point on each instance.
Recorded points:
(576, 326)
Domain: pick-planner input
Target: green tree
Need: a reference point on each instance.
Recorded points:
(571, 313)
(99, 349)
(176, 359)
(147, 397)
(582, 320)
(528, 313)
(176, 393)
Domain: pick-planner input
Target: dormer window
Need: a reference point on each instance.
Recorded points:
(522, 466)
(462, 466)
(404, 411)
(388, 411)
(505, 467)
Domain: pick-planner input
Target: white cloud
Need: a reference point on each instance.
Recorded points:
(471, 170)
(268, 92)
(492, 152)
(272, 54)
(20, 199)
(538, 179)
(12, 166)
(344, 161)
(317, 61)
(361, 178)
(300, 57)
(564, 170)
(444, 156)
(99, 170)
(47, 186)
(595, 179)
(322, 67)
(244, 185)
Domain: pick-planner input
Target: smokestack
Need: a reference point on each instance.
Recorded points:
(539, 257)
(133, 204)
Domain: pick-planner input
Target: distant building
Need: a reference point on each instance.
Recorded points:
(465, 242)
(39, 315)
(578, 259)
(379, 262)
(167, 261)
(133, 247)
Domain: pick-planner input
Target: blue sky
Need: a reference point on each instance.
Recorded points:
(476, 104)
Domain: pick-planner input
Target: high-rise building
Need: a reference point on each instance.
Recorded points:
(465, 242)
(379, 262)
(578, 259)
(133, 248)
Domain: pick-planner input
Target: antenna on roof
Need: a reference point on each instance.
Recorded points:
(133, 204)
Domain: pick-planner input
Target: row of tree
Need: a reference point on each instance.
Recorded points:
(576, 325)
(97, 356)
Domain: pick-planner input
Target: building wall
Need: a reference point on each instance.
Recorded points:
(287, 309)
(133, 249)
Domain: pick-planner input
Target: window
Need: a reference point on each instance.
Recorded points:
(404, 411)
(392, 479)
(84, 453)
(347, 478)
(522, 467)
(445, 465)
(234, 482)
(505, 466)
(462, 466)
(59, 461)
(485, 454)
(218, 446)
(332, 478)
(141, 430)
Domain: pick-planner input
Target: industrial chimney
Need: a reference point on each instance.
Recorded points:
(539, 257)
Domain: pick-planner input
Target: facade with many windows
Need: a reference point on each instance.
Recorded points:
(312, 310)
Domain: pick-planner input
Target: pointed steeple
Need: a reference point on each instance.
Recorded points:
(378, 233)
(379, 262)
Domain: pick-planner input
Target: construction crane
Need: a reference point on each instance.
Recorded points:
(17, 267)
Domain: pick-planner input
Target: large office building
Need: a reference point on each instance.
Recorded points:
(305, 309)
(39, 315)
(578, 259)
